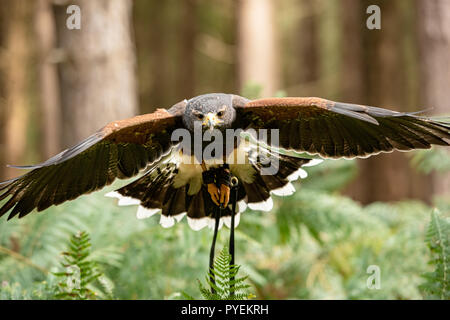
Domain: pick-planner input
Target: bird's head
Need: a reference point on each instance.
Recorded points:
(212, 111)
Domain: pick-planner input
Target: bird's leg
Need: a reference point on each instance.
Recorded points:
(223, 179)
(218, 181)
(224, 195)
(209, 179)
(214, 193)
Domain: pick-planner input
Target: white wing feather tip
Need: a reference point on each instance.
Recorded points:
(113, 194)
(180, 216)
(300, 173)
(144, 213)
(197, 224)
(266, 205)
(227, 220)
(313, 162)
(123, 201)
(286, 190)
(166, 222)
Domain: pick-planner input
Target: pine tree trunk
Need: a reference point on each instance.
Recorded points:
(303, 69)
(353, 26)
(257, 48)
(186, 51)
(48, 85)
(152, 54)
(384, 75)
(3, 28)
(14, 65)
(434, 42)
(97, 76)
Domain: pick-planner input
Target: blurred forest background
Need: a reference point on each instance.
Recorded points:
(57, 86)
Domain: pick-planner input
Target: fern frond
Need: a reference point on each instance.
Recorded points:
(79, 272)
(227, 285)
(437, 285)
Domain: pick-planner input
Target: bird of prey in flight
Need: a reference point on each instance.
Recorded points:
(176, 188)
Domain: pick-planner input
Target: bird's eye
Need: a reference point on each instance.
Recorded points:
(200, 116)
(220, 114)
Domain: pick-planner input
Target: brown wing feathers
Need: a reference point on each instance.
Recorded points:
(334, 129)
(119, 150)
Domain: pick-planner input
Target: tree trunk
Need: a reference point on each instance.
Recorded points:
(353, 24)
(434, 45)
(302, 50)
(257, 48)
(97, 76)
(153, 56)
(3, 28)
(186, 52)
(386, 177)
(14, 63)
(49, 99)
(308, 43)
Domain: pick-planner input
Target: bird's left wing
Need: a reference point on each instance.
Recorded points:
(341, 130)
(119, 150)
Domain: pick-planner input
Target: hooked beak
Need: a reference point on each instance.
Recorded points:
(210, 121)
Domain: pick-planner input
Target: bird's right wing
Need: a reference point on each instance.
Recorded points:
(119, 150)
(341, 130)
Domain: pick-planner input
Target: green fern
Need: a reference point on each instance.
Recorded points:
(437, 285)
(15, 291)
(227, 285)
(79, 272)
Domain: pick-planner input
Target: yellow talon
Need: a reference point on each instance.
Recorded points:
(224, 195)
(221, 196)
(214, 192)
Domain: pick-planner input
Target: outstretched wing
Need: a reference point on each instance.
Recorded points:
(119, 150)
(335, 130)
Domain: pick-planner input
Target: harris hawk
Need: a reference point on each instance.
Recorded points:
(175, 188)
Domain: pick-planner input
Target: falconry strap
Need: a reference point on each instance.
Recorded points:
(221, 176)
(217, 215)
